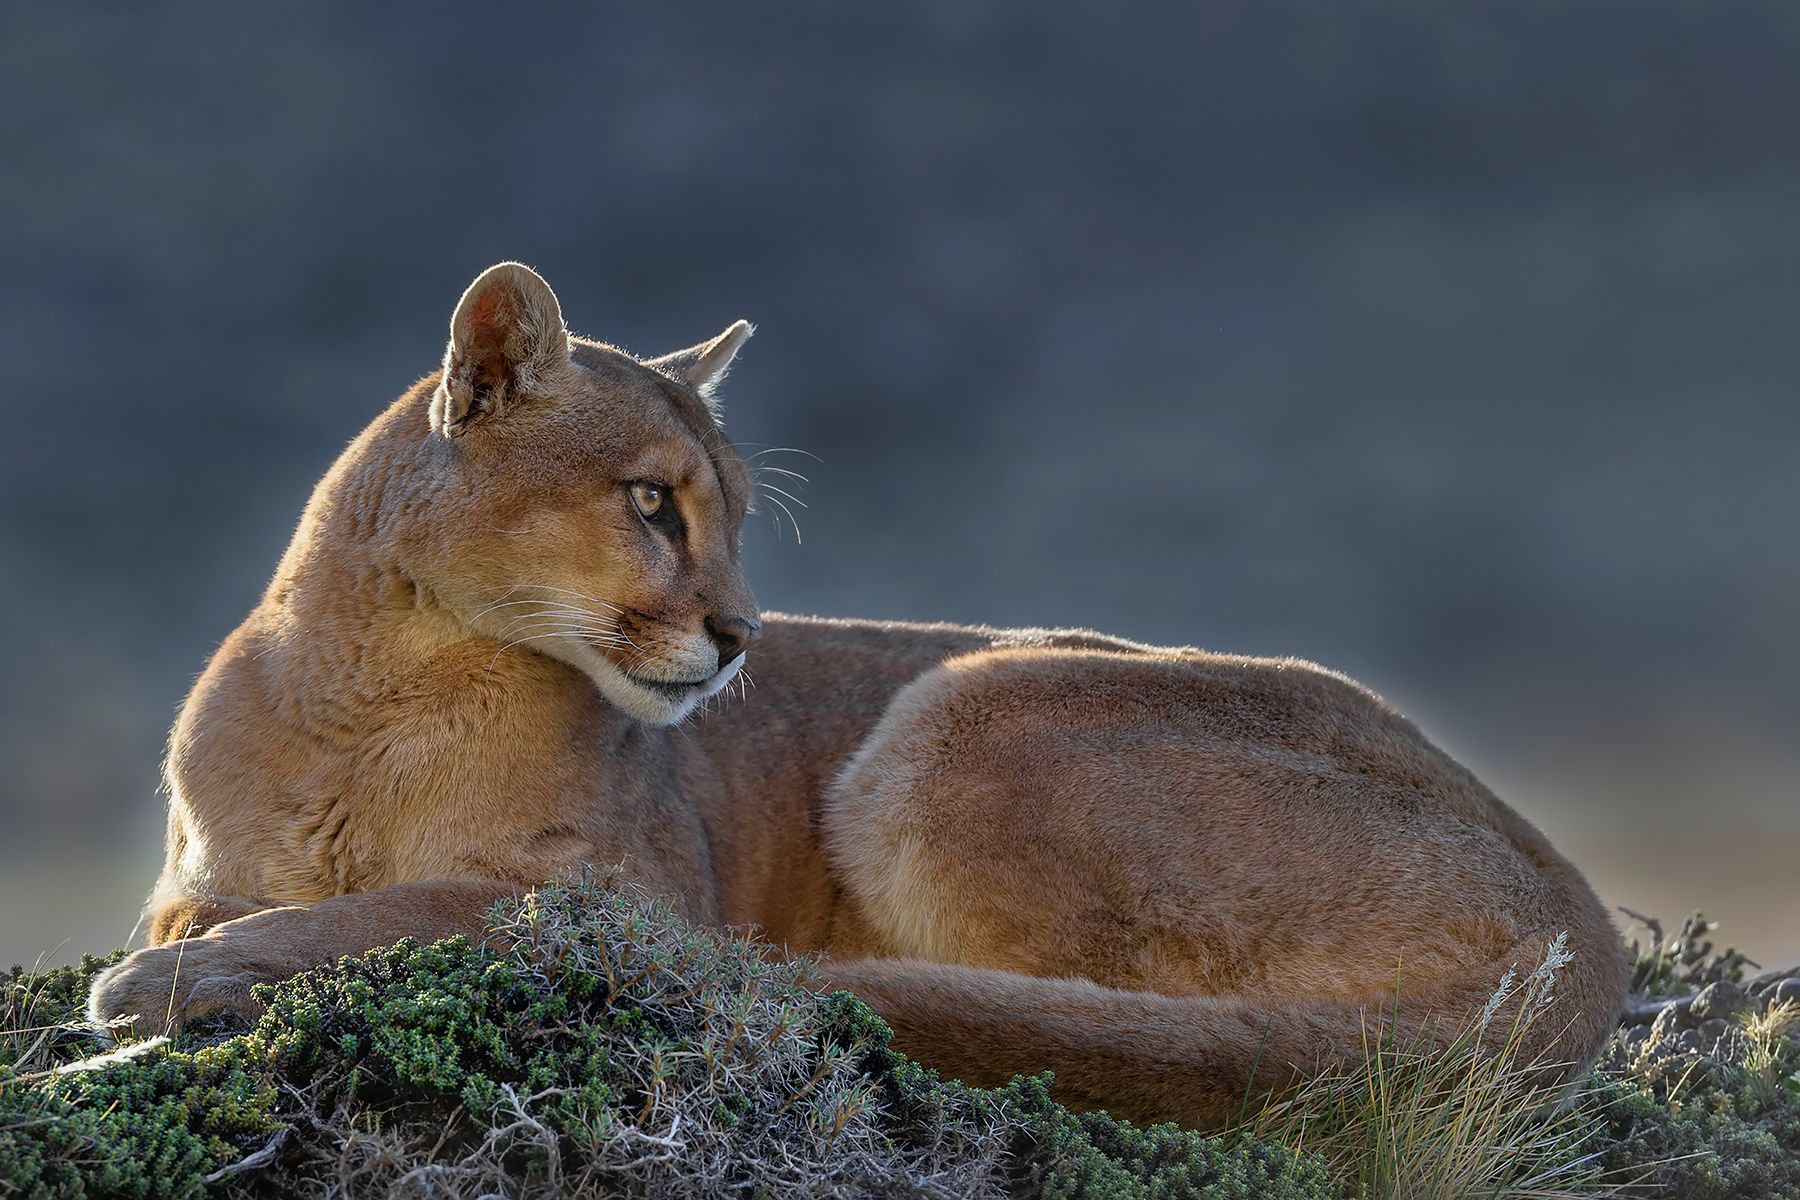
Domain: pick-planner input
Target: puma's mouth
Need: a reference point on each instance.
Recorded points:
(674, 689)
(681, 690)
(653, 700)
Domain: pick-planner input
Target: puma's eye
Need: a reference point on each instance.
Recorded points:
(649, 498)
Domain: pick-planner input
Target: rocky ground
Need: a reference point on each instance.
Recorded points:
(1702, 1081)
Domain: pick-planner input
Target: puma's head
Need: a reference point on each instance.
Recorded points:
(587, 504)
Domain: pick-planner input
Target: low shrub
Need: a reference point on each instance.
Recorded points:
(605, 1047)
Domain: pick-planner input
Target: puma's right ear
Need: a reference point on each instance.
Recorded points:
(506, 331)
(703, 367)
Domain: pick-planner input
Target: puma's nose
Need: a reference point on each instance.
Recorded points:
(732, 635)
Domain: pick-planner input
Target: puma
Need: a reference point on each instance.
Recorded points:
(1146, 869)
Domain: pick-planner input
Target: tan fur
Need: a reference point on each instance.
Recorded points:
(1147, 869)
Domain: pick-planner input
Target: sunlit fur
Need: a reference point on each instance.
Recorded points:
(1161, 873)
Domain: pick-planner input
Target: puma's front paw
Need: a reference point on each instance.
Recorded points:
(160, 989)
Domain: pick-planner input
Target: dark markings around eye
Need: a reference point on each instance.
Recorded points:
(655, 503)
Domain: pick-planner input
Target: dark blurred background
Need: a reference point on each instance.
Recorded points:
(1450, 345)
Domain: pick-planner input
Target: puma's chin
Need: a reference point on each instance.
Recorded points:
(656, 701)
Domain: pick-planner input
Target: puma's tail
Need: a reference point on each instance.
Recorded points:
(1192, 1059)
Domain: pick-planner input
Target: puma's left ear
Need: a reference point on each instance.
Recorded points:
(507, 331)
(703, 367)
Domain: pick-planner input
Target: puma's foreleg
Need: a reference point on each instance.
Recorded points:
(163, 987)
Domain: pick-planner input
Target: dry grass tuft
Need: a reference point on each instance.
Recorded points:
(1482, 1118)
(42, 1024)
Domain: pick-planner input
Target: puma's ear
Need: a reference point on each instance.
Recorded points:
(703, 367)
(506, 331)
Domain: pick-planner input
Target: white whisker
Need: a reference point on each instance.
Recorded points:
(791, 517)
(575, 615)
(557, 626)
(559, 617)
(769, 487)
(778, 450)
(571, 592)
(530, 634)
(521, 641)
(572, 610)
(495, 607)
(782, 471)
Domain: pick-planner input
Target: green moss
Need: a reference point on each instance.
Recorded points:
(151, 1128)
